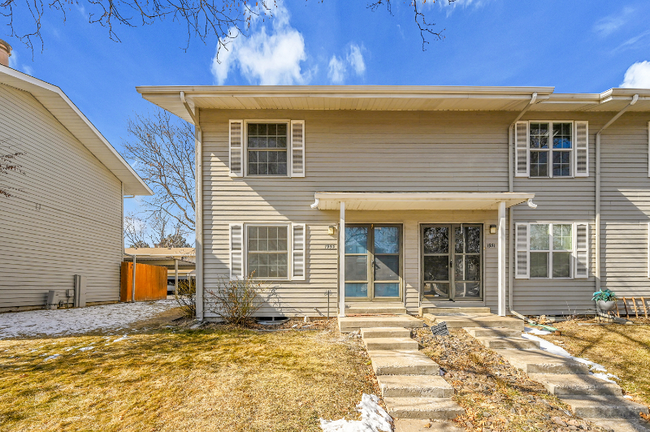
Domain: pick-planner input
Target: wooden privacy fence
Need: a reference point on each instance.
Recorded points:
(150, 282)
(632, 306)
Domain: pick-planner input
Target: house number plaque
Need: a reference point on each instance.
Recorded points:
(491, 245)
(330, 246)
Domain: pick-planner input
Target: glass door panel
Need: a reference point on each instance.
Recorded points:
(386, 261)
(357, 259)
(436, 260)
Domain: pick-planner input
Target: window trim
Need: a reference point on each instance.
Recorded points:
(550, 149)
(245, 148)
(289, 250)
(550, 250)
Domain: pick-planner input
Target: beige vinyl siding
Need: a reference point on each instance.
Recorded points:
(67, 216)
(349, 151)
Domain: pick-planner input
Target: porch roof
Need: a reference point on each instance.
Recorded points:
(365, 201)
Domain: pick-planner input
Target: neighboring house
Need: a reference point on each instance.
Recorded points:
(66, 215)
(436, 188)
(180, 262)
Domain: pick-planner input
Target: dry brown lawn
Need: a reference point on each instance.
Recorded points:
(216, 379)
(623, 349)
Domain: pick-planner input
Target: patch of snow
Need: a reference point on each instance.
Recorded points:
(60, 322)
(627, 397)
(52, 357)
(120, 339)
(88, 348)
(373, 418)
(537, 331)
(600, 371)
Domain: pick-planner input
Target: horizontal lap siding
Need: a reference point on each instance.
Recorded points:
(348, 152)
(77, 229)
(626, 206)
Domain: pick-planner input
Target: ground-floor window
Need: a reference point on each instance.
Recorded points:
(268, 252)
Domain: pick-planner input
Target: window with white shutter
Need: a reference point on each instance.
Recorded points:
(582, 149)
(582, 250)
(521, 149)
(297, 148)
(299, 235)
(236, 138)
(522, 270)
(236, 251)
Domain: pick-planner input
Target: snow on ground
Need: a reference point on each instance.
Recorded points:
(62, 322)
(373, 418)
(597, 370)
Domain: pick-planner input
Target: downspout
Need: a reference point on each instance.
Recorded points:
(198, 145)
(511, 188)
(635, 98)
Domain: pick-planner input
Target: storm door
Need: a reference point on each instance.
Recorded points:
(373, 262)
(452, 262)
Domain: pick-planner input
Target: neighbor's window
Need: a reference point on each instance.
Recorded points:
(551, 247)
(267, 148)
(551, 147)
(268, 254)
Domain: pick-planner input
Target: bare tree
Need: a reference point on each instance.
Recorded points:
(135, 231)
(162, 148)
(161, 237)
(9, 164)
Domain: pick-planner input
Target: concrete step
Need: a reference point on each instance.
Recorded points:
(583, 384)
(403, 344)
(619, 425)
(454, 310)
(508, 343)
(477, 320)
(384, 332)
(604, 407)
(374, 308)
(393, 362)
(428, 386)
(423, 408)
(350, 324)
(492, 332)
(415, 425)
(538, 361)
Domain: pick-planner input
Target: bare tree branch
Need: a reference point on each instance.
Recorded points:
(134, 231)
(8, 165)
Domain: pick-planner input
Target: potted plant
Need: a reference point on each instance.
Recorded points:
(605, 300)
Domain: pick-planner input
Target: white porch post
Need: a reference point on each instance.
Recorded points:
(502, 258)
(342, 261)
(175, 277)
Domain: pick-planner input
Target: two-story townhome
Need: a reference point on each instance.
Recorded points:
(403, 197)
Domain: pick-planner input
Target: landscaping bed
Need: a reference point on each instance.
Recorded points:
(173, 378)
(495, 395)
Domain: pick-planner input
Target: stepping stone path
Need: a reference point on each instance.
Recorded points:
(599, 401)
(410, 382)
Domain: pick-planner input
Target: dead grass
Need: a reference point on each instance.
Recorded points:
(215, 379)
(623, 349)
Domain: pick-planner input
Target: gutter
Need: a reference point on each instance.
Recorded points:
(198, 146)
(634, 100)
(511, 188)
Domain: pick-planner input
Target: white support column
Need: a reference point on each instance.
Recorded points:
(175, 277)
(502, 259)
(342, 261)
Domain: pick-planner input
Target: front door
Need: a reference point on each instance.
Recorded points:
(452, 262)
(373, 262)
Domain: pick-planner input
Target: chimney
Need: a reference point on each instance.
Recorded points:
(5, 53)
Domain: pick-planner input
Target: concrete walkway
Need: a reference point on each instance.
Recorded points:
(410, 382)
(599, 401)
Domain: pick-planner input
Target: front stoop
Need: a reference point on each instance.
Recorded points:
(462, 320)
(413, 425)
(354, 323)
(385, 332)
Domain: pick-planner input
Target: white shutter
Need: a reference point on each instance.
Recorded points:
(297, 148)
(522, 153)
(236, 251)
(236, 148)
(522, 270)
(299, 236)
(582, 149)
(581, 250)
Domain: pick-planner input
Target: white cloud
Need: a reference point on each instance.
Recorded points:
(610, 24)
(339, 68)
(19, 66)
(458, 3)
(267, 57)
(637, 75)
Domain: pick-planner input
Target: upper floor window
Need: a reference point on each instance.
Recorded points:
(550, 149)
(267, 148)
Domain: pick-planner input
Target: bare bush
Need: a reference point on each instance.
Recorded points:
(235, 301)
(186, 297)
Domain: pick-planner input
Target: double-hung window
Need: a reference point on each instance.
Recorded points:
(267, 148)
(552, 250)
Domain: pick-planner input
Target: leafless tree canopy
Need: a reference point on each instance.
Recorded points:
(156, 229)
(162, 150)
(135, 232)
(203, 19)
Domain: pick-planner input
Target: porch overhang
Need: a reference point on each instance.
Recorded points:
(435, 201)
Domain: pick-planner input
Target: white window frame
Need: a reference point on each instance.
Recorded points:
(289, 250)
(550, 150)
(245, 147)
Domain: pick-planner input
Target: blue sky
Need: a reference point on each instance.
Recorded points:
(576, 46)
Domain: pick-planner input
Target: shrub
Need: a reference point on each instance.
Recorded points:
(186, 297)
(235, 301)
